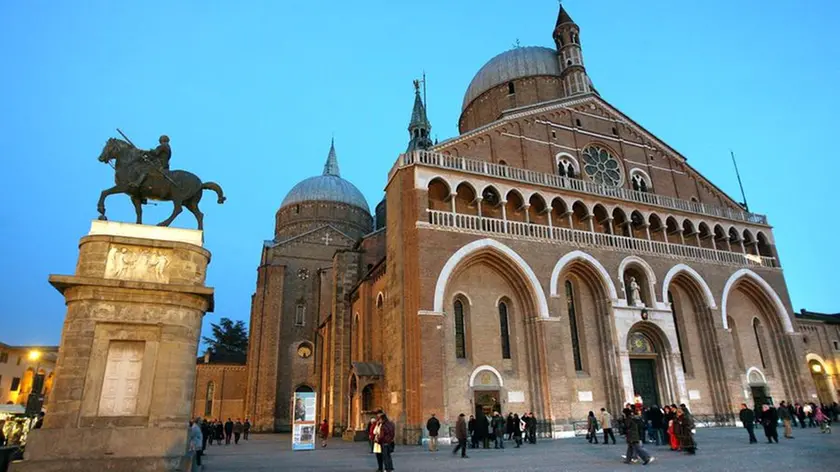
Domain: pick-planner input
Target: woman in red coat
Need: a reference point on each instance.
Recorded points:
(325, 433)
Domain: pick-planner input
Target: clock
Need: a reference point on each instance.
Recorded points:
(304, 351)
(303, 273)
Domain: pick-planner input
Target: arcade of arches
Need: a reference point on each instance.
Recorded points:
(500, 351)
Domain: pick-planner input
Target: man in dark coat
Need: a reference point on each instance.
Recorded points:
(220, 431)
(433, 426)
(747, 417)
(800, 414)
(634, 430)
(532, 428)
(228, 431)
(461, 435)
(655, 418)
(206, 433)
(482, 427)
(509, 426)
(770, 420)
(473, 432)
(498, 426)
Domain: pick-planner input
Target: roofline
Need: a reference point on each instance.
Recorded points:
(23, 348)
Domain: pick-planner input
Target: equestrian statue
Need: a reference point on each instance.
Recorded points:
(145, 175)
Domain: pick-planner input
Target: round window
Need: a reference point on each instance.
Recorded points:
(601, 166)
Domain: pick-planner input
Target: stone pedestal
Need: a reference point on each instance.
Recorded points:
(125, 373)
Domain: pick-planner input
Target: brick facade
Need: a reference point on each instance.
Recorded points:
(487, 218)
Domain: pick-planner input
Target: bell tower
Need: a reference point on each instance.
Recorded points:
(569, 54)
(419, 126)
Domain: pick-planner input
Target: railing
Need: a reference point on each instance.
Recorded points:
(555, 181)
(480, 224)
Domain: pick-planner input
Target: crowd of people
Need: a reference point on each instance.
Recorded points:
(203, 432)
(806, 415)
(670, 425)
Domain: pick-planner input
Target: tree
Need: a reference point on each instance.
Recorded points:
(229, 340)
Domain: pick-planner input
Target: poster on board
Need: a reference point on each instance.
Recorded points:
(304, 428)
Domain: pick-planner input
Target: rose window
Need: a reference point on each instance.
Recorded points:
(601, 166)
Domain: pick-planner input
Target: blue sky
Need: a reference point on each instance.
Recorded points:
(250, 96)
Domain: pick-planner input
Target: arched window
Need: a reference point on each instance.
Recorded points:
(367, 398)
(758, 342)
(566, 168)
(511, 88)
(460, 335)
(208, 399)
(570, 303)
(503, 328)
(677, 329)
(639, 183)
(304, 388)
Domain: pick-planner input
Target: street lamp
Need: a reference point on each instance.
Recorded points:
(33, 403)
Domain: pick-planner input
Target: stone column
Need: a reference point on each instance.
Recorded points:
(125, 372)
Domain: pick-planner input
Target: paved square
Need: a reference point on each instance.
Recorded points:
(721, 449)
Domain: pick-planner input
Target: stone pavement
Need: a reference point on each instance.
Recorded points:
(721, 449)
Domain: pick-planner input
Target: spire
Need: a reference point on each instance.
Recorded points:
(563, 16)
(331, 166)
(419, 127)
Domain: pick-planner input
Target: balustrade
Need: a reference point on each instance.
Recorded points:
(444, 161)
(482, 224)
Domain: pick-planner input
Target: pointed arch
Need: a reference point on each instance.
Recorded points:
(495, 246)
(580, 255)
(781, 312)
(707, 292)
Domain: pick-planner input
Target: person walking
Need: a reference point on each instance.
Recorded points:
(634, 429)
(822, 420)
(433, 426)
(498, 425)
(195, 439)
(770, 420)
(747, 418)
(517, 430)
(228, 431)
(606, 424)
(784, 415)
(219, 432)
(461, 436)
(206, 434)
(591, 428)
(686, 436)
(324, 432)
(246, 429)
(370, 428)
(473, 432)
(383, 440)
(532, 428)
(509, 426)
(237, 431)
(800, 414)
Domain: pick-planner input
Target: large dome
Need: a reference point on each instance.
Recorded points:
(328, 187)
(509, 65)
(331, 188)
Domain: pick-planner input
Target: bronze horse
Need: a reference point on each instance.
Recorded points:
(180, 187)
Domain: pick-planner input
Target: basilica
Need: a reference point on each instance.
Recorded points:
(554, 257)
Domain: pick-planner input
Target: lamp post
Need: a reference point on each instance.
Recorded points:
(33, 403)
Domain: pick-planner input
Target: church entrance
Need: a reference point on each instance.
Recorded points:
(486, 402)
(818, 374)
(644, 380)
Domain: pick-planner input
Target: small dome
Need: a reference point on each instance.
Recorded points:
(509, 65)
(330, 188)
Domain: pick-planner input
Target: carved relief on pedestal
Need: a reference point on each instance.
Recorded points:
(131, 263)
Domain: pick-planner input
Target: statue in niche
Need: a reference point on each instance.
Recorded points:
(635, 293)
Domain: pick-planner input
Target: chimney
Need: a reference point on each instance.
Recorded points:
(207, 356)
